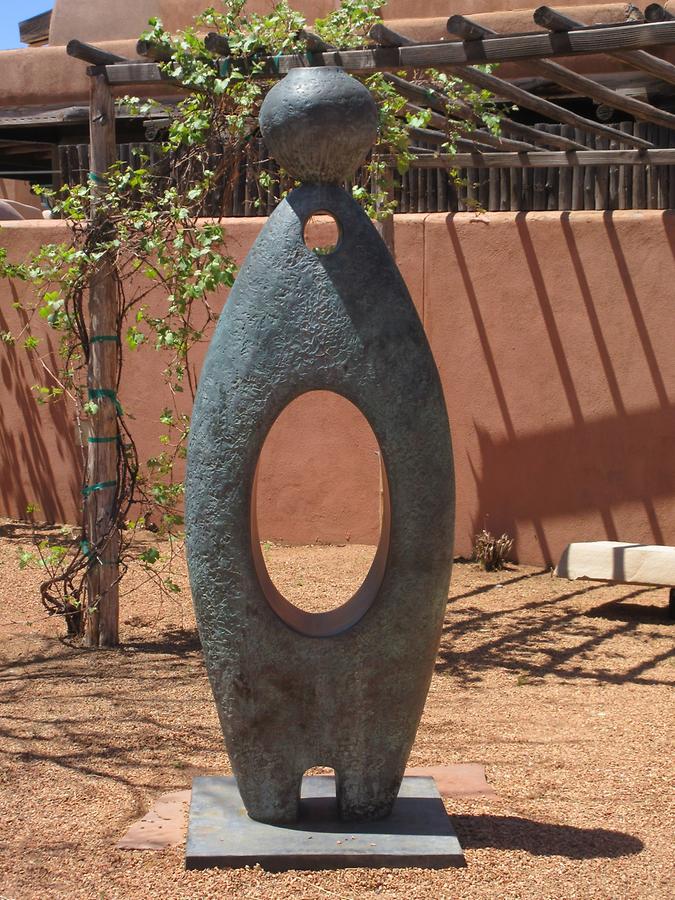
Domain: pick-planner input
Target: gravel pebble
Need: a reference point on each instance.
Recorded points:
(563, 693)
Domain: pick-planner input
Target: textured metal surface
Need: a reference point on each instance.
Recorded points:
(418, 832)
(350, 697)
(319, 124)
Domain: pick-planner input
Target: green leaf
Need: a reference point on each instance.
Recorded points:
(150, 556)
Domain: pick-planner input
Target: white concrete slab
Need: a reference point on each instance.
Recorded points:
(617, 561)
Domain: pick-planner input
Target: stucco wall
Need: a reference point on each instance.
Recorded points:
(101, 20)
(47, 76)
(553, 333)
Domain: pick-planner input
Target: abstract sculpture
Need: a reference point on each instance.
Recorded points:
(344, 688)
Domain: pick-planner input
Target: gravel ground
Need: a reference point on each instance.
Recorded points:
(564, 694)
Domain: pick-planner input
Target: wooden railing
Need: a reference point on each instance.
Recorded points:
(597, 187)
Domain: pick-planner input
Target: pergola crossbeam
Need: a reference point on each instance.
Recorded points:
(638, 59)
(495, 49)
(441, 103)
(94, 55)
(501, 88)
(540, 45)
(473, 32)
(547, 159)
(519, 143)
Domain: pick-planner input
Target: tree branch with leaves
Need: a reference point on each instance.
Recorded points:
(158, 243)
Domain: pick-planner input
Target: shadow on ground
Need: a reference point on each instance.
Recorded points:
(151, 691)
(172, 642)
(558, 636)
(543, 838)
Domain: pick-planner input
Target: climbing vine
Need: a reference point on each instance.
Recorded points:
(157, 243)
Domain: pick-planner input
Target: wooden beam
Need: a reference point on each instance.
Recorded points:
(217, 44)
(638, 59)
(554, 20)
(545, 108)
(430, 135)
(314, 43)
(45, 117)
(637, 83)
(497, 49)
(508, 91)
(447, 55)
(36, 29)
(468, 29)
(469, 146)
(657, 13)
(586, 87)
(478, 135)
(133, 73)
(102, 532)
(540, 45)
(509, 127)
(537, 136)
(24, 173)
(368, 60)
(439, 102)
(155, 52)
(498, 141)
(89, 53)
(440, 123)
(431, 98)
(544, 159)
(454, 54)
(387, 37)
(581, 85)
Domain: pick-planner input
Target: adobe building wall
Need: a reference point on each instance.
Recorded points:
(554, 336)
(101, 20)
(40, 76)
(19, 195)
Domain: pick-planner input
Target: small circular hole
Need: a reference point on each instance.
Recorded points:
(322, 233)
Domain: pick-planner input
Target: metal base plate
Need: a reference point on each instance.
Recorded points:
(221, 834)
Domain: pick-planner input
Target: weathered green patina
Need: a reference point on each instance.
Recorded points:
(346, 688)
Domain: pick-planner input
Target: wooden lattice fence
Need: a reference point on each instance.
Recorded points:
(598, 187)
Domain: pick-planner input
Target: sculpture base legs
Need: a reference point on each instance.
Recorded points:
(417, 833)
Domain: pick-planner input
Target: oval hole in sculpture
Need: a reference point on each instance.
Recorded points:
(320, 504)
(322, 233)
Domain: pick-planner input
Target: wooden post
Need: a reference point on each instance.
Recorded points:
(102, 612)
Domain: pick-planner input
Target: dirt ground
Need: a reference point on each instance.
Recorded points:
(562, 692)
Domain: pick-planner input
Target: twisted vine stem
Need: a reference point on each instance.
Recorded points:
(154, 238)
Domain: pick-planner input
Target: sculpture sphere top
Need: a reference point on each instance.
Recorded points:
(319, 124)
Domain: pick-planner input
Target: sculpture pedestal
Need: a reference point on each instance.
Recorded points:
(417, 833)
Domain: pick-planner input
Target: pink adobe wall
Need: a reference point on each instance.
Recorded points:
(38, 454)
(553, 333)
(101, 20)
(46, 75)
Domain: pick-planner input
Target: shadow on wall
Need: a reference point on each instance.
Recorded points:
(589, 310)
(597, 465)
(38, 452)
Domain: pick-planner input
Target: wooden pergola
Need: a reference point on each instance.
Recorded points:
(394, 52)
(561, 152)
(520, 148)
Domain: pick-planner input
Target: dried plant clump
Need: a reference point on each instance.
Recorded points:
(490, 552)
